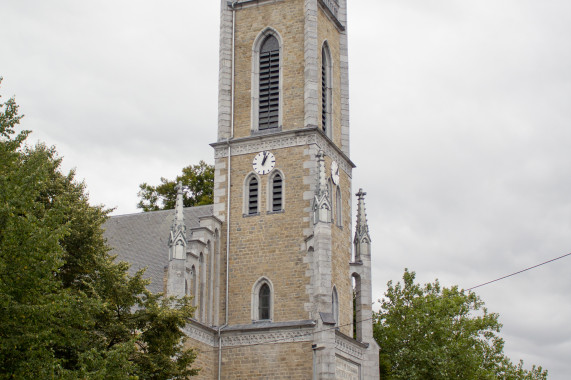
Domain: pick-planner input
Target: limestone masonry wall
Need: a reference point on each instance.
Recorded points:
(286, 18)
(206, 359)
(341, 256)
(269, 244)
(291, 361)
(327, 31)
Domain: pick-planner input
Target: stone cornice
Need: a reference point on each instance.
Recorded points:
(331, 9)
(276, 336)
(197, 242)
(299, 332)
(259, 326)
(201, 333)
(192, 254)
(200, 229)
(284, 139)
(249, 3)
(245, 335)
(349, 346)
(210, 217)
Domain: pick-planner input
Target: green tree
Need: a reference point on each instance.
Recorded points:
(67, 309)
(431, 332)
(198, 182)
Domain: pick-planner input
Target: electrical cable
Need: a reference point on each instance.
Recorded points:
(368, 319)
(518, 272)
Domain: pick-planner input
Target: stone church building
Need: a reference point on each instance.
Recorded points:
(273, 264)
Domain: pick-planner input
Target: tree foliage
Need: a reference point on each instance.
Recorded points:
(68, 310)
(197, 180)
(431, 332)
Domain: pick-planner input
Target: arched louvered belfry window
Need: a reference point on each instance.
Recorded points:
(253, 191)
(277, 192)
(269, 83)
(326, 104)
(264, 302)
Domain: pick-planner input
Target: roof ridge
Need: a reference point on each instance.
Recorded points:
(158, 211)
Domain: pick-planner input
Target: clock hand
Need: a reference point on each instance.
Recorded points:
(265, 158)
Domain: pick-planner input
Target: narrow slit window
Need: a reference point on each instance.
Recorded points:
(326, 90)
(277, 193)
(330, 194)
(338, 207)
(264, 302)
(335, 306)
(269, 90)
(253, 196)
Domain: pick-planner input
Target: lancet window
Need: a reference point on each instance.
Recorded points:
(269, 84)
(326, 103)
(276, 185)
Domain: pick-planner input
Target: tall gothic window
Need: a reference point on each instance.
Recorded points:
(193, 285)
(264, 302)
(253, 195)
(269, 84)
(326, 105)
(202, 292)
(277, 192)
(335, 306)
(330, 193)
(338, 207)
(357, 308)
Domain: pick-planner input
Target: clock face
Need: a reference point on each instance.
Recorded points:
(335, 172)
(264, 162)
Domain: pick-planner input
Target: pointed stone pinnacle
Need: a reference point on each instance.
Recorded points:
(362, 227)
(178, 222)
(321, 177)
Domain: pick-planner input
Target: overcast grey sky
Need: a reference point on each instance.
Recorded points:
(460, 118)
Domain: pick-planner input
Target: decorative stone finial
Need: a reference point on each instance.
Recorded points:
(177, 240)
(362, 229)
(178, 216)
(321, 180)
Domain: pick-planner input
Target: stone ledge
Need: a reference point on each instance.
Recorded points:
(283, 139)
(264, 326)
(331, 9)
(349, 346)
(239, 4)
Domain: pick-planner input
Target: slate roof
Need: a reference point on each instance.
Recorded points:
(142, 239)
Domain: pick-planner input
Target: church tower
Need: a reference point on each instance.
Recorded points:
(280, 285)
(280, 304)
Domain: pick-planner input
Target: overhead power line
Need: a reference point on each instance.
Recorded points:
(367, 319)
(518, 272)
